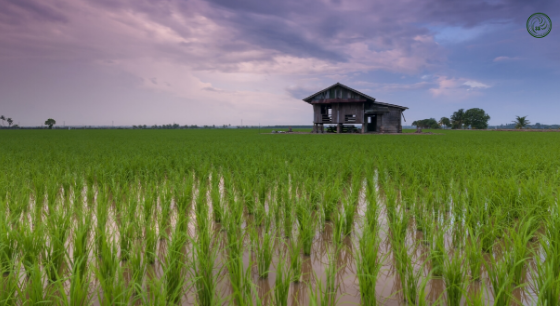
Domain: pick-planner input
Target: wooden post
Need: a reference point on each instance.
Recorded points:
(322, 128)
(338, 128)
(364, 128)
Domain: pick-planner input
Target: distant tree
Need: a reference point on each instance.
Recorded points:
(3, 119)
(458, 119)
(521, 122)
(476, 118)
(10, 122)
(429, 123)
(444, 121)
(50, 122)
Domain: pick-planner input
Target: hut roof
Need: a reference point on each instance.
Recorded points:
(310, 98)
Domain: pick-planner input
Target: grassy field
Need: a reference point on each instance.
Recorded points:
(232, 217)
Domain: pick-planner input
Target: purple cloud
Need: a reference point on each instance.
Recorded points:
(237, 53)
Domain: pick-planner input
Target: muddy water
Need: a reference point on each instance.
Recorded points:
(388, 286)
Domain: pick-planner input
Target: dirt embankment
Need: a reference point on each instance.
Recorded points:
(361, 134)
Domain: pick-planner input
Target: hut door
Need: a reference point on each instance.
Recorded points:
(371, 123)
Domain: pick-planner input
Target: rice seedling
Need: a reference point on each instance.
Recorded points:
(477, 294)
(79, 294)
(331, 285)
(265, 251)
(422, 296)
(306, 224)
(330, 200)
(338, 227)
(474, 256)
(110, 274)
(9, 289)
(350, 205)
(295, 259)
(499, 274)
(217, 203)
(137, 267)
(454, 274)
(546, 283)
(151, 240)
(203, 257)
(33, 290)
(31, 245)
(8, 249)
(58, 226)
(518, 244)
(282, 284)
(175, 270)
(438, 252)
(368, 265)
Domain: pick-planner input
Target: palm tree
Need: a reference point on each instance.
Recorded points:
(444, 121)
(10, 122)
(458, 119)
(521, 122)
(50, 122)
(3, 119)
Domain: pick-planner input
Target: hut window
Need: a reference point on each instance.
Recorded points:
(349, 118)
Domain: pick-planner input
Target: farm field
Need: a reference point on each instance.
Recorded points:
(231, 217)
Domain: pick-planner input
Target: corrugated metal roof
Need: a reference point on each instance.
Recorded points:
(388, 104)
(309, 98)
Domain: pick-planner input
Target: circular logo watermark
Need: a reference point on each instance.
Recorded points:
(539, 25)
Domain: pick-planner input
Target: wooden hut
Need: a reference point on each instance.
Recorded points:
(339, 104)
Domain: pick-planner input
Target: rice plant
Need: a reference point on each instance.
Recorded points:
(281, 284)
(265, 250)
(295, 259)
(454, 275)
(368, 265)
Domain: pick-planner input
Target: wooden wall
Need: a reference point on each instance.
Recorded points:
(339, 112)
(391, 121)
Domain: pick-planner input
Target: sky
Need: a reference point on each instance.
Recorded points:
(215, 62)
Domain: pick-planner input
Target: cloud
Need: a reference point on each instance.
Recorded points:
(476, 85)
(459, 88)
(213, 89)
(505, 58)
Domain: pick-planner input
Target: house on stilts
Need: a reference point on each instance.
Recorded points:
(341, 105)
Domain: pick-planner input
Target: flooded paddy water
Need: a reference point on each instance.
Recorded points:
(304, 289)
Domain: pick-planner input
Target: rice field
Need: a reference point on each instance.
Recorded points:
(233, 217)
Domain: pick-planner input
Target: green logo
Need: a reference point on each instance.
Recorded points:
(539, 25)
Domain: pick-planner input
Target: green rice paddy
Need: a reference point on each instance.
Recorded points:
(233, 217)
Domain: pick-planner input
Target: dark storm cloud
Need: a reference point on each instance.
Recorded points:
(200, 50)
(29, 11)
(320, 29)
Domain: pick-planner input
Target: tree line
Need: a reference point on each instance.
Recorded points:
(8, 120)
(49, 122)
(475, 118)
